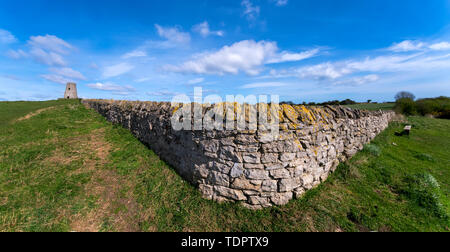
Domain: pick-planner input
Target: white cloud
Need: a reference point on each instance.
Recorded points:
(328, 70)
(250, 11)
(203, 29)
(63, 75)
(196, 81)
(163, 93)
(287, 56)
(47, 57)
(247, 56)
(50, 43)
(406, 46)
(412, 63)
(116, 70)
(17, 54)
(359, 80)
(6, 37)
(47, 50)
(440, 46)
(68, 72)
(135, 54)
(264, 85)
(114, 88)
(174, 37)
(56, 78)
(281, 2)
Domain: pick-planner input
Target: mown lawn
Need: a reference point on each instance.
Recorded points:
(67, 169)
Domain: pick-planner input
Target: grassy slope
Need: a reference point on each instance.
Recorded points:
(68, 169)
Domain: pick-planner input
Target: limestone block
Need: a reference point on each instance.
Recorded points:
(280, 173)
(269, 186)
(252, 158)
(256, 174)
(230, 193)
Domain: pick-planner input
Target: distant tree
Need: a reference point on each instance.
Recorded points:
(406, 106)
(369, 101)
(348, 102)
(287, 103)
(404, 95)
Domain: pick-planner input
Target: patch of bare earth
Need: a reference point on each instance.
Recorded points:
(35, 113)
(115, 202)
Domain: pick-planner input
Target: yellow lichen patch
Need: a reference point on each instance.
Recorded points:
(299, 144)
(176, 108)
(290, 113)
(306, 115)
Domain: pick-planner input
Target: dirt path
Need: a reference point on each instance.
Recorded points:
(115, 204)
(35, 113)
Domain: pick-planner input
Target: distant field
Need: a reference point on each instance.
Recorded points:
(11, 110)
(65, 168)
(372, 106)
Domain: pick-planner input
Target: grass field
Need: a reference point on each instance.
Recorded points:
(373, 106)
(64, 168)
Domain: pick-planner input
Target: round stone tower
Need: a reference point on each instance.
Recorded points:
(71, 91)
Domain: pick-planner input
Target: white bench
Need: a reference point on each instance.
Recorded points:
(407, 129)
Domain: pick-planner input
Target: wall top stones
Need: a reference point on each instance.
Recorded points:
(294, 115)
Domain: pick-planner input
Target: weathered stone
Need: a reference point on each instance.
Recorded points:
(280, 173)
(285, 157)
(230, 193)
(269, 186)
(254, 166)
(244, 184)
(281, 198)
(201, 171)
(298, 171)
(217, 178)
(270, 167)
(246, 148)
(256, 174)
(269, 158)
(299, 192)
(289, 184)
(266, 138)
(222, 168)
(228, 153)
(307, 181)
(237, 170)
(256, 200)
(245, 139)
(211, 145)
(250, 192)
(252, 158)
(207, 191)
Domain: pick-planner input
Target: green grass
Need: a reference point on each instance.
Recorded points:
(373, 106)
(14, 110)
(395, 184)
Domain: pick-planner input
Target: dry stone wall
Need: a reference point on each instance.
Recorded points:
(245, 166)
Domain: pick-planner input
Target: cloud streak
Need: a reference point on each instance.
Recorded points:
(245, 56)
(112, 87)
(116, 70)
(7, 37)
(204, 30)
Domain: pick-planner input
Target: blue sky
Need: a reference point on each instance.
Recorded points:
(152, 50)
